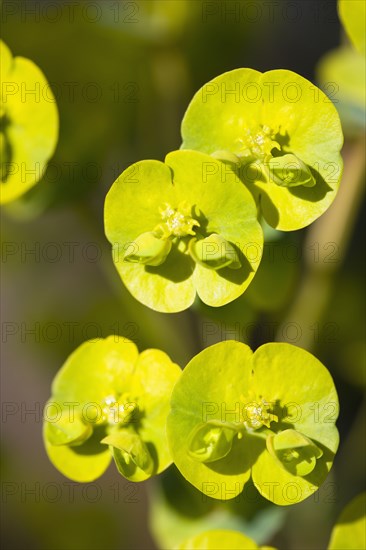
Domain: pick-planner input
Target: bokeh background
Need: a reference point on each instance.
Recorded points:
(123, 73)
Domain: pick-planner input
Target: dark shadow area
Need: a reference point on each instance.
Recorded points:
(237, 276)
(93, 445)
(269, 210)
(312, 194)
(154, 455)
(7, 150)
(177, 267)
(239, 460)
(320, 472)
(284, 141)
(183, 497)
(198, 215)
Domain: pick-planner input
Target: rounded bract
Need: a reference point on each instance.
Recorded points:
(221, 539)
(353, 18)
(29, 124)
(279, 132)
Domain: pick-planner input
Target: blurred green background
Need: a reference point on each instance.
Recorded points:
(123, 73)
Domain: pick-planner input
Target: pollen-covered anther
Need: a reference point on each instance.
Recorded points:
(118, 411)
(257, 415)
(177, 222)
(258, 145)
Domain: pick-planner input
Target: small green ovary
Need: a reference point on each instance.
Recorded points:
(294, 451)
(148, 249)
(131, 455)
(152, 247)
(263, 148)
(214, 252)
(68, 429)
(290, 171)
(211, 441)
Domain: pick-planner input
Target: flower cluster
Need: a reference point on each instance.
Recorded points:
(268, 415)
(183, 227)
(120, 400)
(283, 135)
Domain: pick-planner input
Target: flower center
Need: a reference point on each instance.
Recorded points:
(118, 411)
(176, 222)
(257, 415)
(259, 145)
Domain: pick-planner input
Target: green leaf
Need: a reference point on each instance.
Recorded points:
(353, 17)
(191, 195)
(211, 441)
(130, 454)
(350, 530)
(261, 118)
(29, 125)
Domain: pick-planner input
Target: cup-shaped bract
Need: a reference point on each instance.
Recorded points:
(29, 124)
(280, 132)
(269, 415)
(342, 73)
(221, 539)
(109, 400)
(353, 17)
(350, 530)
(180, 228)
